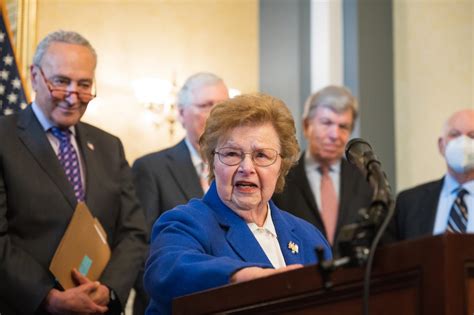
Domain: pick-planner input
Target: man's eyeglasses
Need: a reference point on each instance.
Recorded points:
(59, 88)
(260, 157)
(205, 108)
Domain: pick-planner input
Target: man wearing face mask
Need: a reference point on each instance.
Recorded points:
(445, 205)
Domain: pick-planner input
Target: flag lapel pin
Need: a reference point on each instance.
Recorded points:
(90, 146)
(293, 247)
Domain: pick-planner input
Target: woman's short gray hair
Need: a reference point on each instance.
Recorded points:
(198, 80)
(69, 37)
(252, 110)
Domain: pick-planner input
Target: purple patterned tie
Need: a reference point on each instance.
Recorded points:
(68, 158)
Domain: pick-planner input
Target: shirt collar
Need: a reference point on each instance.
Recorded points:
(267, 225)
(311, 164)
(195, 156)
(451, 185)
(44, 121)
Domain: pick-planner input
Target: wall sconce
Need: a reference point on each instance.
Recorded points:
(158, 97)
(234, 92)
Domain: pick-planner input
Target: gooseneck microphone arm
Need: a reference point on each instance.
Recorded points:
(360, 154)
(358, 241)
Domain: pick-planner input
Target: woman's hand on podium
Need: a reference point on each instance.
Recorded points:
(251, 273)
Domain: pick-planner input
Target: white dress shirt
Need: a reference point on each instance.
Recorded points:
(195, 156)
(268, 240)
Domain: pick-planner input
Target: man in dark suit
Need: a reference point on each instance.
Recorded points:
(446, 204)
(49, 161)
(175, 175)
(324, 188)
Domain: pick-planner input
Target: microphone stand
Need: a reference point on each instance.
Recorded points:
(358, 241)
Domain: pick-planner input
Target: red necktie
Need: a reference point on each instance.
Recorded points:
(329, 204)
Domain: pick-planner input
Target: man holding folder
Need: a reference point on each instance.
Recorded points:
(49, 161)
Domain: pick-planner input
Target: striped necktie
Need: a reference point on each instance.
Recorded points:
(67, 156)
(457, 222)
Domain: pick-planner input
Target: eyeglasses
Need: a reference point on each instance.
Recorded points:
(205, 108)
(260, 157)
(58, 88)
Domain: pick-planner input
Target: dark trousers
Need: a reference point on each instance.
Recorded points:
(141, 298)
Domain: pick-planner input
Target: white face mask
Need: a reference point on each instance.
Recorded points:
(459, 154)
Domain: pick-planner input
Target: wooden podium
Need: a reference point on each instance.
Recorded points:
(433, 275)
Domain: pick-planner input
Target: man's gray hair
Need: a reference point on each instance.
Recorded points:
(337, 98)
(69, 37)
(196, 81)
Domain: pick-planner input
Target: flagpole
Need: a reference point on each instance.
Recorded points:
(25, 41)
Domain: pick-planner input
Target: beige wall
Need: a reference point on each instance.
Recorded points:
(167, 39)
(434, 63)
(434, 76)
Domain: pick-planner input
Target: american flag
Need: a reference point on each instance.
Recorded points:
(12, 94)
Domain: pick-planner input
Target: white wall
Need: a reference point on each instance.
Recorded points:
(326, 43)
(434, 76)
(434, 62)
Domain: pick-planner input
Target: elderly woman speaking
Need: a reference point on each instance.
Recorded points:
(235, 232)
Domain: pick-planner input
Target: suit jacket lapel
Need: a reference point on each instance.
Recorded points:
(182, 169)
(244, 243)
(346, 191)
(301, 179)
(92, 170)
(286, 236)
(34, 138)
(239, 236)
(429, 205)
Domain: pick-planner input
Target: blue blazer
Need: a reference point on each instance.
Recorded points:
(200, 245)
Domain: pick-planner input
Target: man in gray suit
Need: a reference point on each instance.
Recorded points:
(446, 204)
(173, 176)
(49, 161)
(324, 188)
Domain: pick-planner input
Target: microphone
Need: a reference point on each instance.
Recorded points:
(360, 153)
(358, 239)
